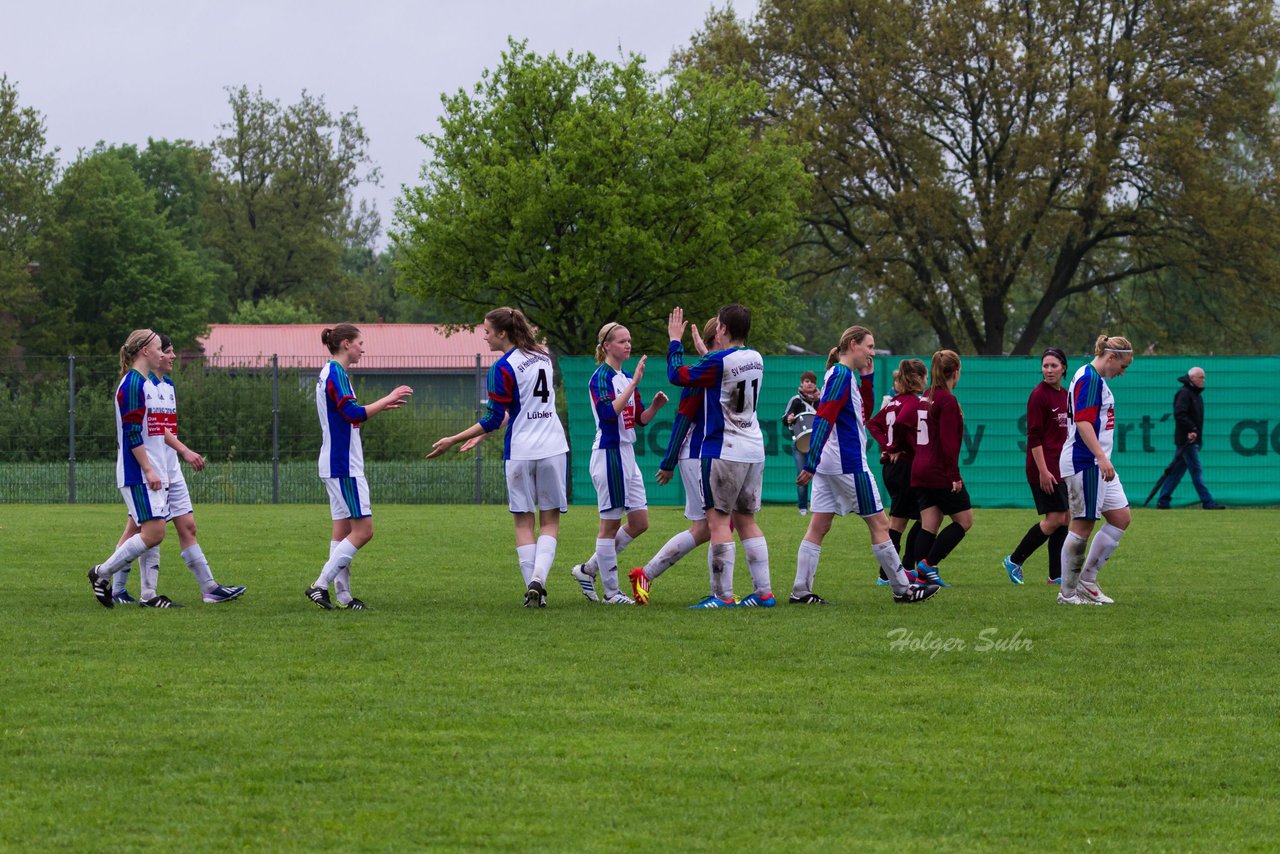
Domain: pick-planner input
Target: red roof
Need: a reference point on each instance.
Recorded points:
(387, 346)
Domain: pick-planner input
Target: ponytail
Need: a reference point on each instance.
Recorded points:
(944, 366)
(911, 375)
(333, 337)
(852, 335)
(133, 345)
(512, 323)
(602, 338)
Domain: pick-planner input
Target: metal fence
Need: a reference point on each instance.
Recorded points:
(255, 422)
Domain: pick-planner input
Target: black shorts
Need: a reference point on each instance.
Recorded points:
(1050, 502)
(945, 500)
(904, 503)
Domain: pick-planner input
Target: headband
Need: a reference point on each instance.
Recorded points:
(604, 333)
(1056, 353)
(1115, 350)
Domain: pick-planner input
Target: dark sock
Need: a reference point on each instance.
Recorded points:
(924, 545)
(1056, 539)
(1033, 540)
(911, 553)
(948, 538)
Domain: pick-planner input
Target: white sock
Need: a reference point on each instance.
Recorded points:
(194, 558)
(119, 580)
(676, 548)
(720, 558)
(122, 556)
(341, 581)
(1072, 561)
(545, 557)
(343, 554)
(527, 556)
(758, 564)
(806, 567)
(620, 542)
(889, 561)
(1100, 551)
(607, 562)
(149, 572)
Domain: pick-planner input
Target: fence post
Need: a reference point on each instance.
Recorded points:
(71, 444)
(275, 428)
(480, 396)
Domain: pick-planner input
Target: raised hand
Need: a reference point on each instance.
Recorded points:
(676, 324)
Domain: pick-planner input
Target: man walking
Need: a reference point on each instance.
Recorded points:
(1188, 434)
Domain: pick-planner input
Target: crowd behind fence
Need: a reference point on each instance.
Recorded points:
(255, 421)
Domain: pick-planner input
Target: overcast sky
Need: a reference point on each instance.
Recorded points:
(132, 69)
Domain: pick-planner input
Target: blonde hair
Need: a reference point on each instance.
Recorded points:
(133, 345)
(852, 335)
(602, 338)
(1114, 344)
(512, 323)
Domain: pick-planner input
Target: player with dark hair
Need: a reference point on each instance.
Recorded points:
(1094, 490)
(732, 450)
(342, 462)
(1046, 432)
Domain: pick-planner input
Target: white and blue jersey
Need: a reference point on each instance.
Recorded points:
(731, 381)
(839, 441)
(1089, 400)
(522, 389)
(341, 454)
(613, 429)
(131, 430)
(162, 415)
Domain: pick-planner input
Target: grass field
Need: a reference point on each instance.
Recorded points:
(451, 717)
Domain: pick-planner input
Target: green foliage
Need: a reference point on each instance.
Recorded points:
(585, 191)
(27, 170)
(280, 211)
(793, 729)
(111, 262)
(984, 162)
(273, 310)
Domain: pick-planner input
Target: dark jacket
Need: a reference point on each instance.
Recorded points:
(1188, 413)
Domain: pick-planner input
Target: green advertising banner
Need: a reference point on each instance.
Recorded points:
(1241, 454)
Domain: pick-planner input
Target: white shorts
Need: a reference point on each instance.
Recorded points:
(618, 482)
(534, 485)
(1089, 496)
(179, 498)
(854, 492)
(691, 477)
(146, 504)
(348, 497)
(730, 486)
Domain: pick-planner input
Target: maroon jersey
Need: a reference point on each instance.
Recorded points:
(939, 434)
(894, 427)
(1046, 429)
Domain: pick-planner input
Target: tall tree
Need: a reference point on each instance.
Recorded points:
(986, 159)
(110, 262)
(27, 171)
(586, 191)
(281, 211)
